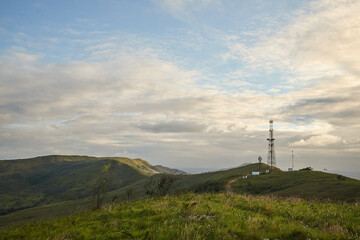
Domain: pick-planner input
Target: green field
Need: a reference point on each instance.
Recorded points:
(203, 216)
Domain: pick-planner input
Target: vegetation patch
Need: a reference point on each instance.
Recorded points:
(203, 216)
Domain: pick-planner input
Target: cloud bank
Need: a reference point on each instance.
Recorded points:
(136, 100)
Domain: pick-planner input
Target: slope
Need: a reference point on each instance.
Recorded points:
(215, 181)
(203, 216)
(44, 180)
(212, 181)
(64, 184)
(312, 185)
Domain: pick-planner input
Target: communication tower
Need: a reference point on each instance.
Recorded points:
(259, 158)
(271, 158)
(292, 159)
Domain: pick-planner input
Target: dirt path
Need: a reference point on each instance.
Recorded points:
(228, 186)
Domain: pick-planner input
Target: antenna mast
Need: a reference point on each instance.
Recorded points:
(292, 158)
(259, 158)
(271, 158)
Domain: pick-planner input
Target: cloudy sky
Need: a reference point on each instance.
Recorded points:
(182, 83)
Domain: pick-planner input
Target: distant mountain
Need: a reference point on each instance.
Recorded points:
(355, 175)
(163, 169)
(206, 170)
(199, 170)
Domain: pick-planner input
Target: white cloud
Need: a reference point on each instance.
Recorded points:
(129, 97)
(87, 108)
(352, 141)
(318, 52)
(318, 43)
(317, 141)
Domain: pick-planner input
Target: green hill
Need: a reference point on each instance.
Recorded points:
(310, 185)
(54, 186)
(215, 181)
(44, 180)
(203, 216)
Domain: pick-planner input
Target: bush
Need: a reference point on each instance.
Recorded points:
(307, 169)
(160, 186)
(210, 187)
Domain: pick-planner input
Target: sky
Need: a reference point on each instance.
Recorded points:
(182, 83)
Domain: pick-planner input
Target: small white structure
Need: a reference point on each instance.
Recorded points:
(267, 171)
(244, 177)
(255, 173)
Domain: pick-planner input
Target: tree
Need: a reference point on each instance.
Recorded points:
(160, 186)
(99, 192)
(129, 193)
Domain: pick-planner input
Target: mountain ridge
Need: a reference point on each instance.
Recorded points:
(64, 184)
(54, 178)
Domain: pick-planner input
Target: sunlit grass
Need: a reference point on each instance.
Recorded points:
(203, 216)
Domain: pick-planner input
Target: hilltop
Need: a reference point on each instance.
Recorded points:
(309, 185)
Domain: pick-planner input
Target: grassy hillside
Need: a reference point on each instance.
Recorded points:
(54, 186)
(304, 184)
(215, 181)
(310, 185)
(45, 180)
(207, 182)
(203, 216)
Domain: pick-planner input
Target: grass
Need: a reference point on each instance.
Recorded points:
(64, 208)
(44, 188)
(61, 185)
(213, 181)
(44, 212)
(29, 184)
(310, 185)
(38, 181)
(203, 216)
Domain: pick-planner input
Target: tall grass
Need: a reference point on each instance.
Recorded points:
(203, 216)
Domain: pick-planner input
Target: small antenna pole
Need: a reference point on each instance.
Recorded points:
(292, 158)
(259, 158)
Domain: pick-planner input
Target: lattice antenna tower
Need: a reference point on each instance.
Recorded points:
(271, 158)
(292, 158)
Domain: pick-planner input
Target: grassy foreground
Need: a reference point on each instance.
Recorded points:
(203, 216)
